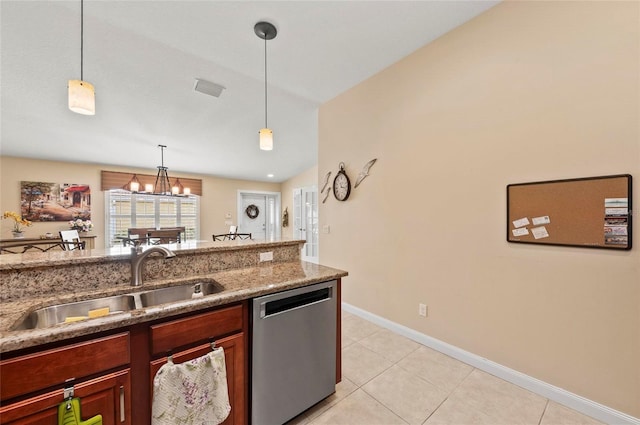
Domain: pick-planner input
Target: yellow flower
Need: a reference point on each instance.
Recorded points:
(18, 221)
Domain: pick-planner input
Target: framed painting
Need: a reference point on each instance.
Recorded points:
(45, 201)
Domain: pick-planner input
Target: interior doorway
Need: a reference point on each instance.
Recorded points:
(258, 214)
(305, 221)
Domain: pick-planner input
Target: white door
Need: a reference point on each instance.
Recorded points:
(257, 225)
(258, 214)
(305, 220)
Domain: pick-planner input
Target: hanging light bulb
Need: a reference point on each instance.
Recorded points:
(265, 31)
(133, 185)
(82, 99)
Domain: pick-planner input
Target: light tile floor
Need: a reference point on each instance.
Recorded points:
(389, 379)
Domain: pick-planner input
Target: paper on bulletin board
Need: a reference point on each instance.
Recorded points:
(523, 231)
(540, 232)
(520, 222)
(616, 221)
(538, 221)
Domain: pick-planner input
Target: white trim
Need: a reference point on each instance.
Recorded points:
(311, 188)
(573, 401)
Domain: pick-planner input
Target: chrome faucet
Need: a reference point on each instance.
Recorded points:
(138, 256)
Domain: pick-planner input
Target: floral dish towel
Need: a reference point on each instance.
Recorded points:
(191, 393)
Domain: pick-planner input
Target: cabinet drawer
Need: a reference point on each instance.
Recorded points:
(33, 372)
(168, 336)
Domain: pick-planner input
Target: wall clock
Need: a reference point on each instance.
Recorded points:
(341, 185)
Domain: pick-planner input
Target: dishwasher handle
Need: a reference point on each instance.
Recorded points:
(271, 308)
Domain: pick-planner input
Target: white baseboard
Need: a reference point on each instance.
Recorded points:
(573, 401)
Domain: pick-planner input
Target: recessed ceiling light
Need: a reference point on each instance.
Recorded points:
(270, 176)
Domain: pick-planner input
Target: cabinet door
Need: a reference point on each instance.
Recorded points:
(234, 354)
(108, 395)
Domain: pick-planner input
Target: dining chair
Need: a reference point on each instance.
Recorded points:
(157, 237)
(231, 236)
(137, 236)
(71, 240)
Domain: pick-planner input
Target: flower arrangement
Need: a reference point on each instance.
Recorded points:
(18, 221)
(81, 225)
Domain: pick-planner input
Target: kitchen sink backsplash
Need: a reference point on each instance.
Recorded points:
(72, 271)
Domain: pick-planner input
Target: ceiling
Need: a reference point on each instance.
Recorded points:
(143, 58)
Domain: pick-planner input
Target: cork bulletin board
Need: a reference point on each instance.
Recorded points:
(591, 212)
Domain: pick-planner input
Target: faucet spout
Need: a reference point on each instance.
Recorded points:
(138, 256)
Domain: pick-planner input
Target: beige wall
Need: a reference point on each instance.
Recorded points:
(304, 179)
(219, 195)
(528, 91)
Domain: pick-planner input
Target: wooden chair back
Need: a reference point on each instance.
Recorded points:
(163, 236)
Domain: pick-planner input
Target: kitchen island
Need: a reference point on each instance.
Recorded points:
(145, 335)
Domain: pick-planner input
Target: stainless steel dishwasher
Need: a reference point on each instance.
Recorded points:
(293, 356)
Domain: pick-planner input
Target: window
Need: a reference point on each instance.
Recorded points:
(126, 209)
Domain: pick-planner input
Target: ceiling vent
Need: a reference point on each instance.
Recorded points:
(207, 87)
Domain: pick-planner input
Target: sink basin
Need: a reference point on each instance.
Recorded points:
(178, 293)
(49, 316)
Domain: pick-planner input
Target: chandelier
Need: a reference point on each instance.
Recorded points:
(162, 185)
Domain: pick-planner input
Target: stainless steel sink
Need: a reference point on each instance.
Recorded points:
(178, 293)
(50, 316)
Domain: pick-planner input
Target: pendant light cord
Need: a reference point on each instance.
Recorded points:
(81, 39)
(265, 81)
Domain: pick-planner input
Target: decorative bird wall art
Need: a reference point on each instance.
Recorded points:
(365, 172)
(327, 194)
(326, 182)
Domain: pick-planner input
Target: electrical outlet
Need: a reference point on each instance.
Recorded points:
(326, 229)
(422, 310)
(266, 256)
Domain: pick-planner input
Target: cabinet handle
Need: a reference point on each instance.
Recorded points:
(122, 419)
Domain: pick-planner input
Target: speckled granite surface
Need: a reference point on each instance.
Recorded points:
(234, 266)
(51, 273)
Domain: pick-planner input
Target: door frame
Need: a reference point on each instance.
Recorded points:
(278, 209)
(303, 217)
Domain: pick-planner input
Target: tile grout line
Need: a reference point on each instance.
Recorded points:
(546, 406)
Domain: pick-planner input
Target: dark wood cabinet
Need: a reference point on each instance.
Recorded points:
(111, 371)
(33, 384)
(108, 395)
(234, 353)
(190, 337)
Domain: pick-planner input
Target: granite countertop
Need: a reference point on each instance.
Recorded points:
(239, 284)
(119, 253)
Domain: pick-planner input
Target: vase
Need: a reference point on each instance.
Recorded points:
(18, 235)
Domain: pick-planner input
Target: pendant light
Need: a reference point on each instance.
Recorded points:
(82, 99)
(265, 31)
(163, 186)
